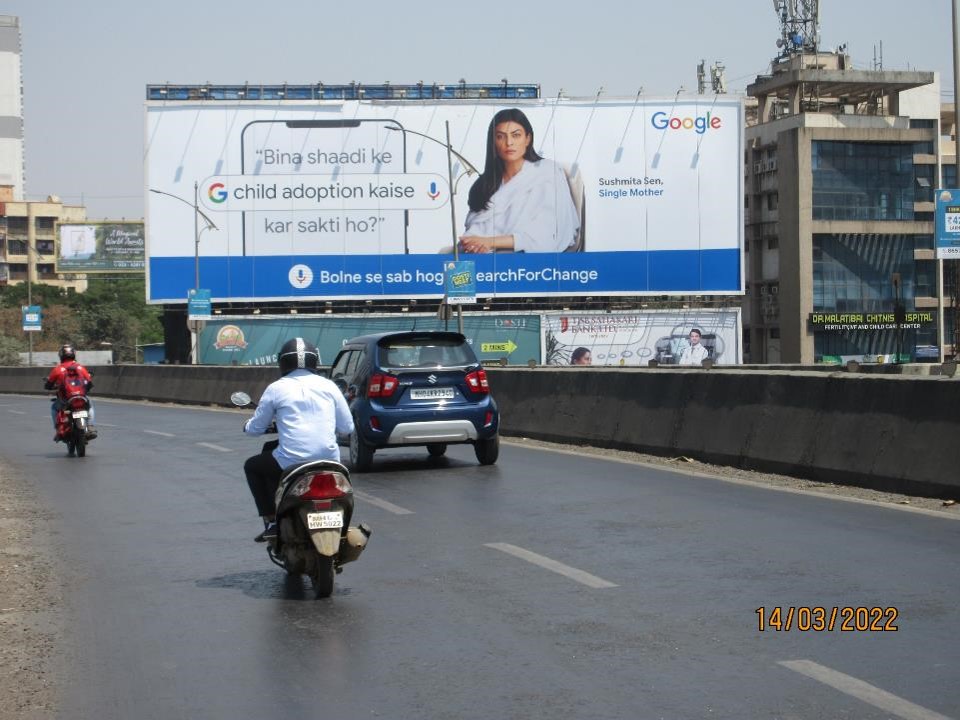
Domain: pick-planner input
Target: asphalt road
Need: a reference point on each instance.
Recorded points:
(548, 586)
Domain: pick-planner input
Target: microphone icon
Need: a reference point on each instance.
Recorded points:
(433, 193)
(300, 274)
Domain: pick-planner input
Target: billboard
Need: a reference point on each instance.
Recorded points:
(948, 223)
(334, 200)
(668, 336)
(100, 247)
(254, 340)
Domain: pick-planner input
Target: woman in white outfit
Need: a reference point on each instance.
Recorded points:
(521, 202)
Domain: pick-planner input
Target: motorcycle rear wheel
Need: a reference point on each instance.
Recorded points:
(71, 448)
(81, 445)
(322, 577)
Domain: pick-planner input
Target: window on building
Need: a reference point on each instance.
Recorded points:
(45, 247)
(925, 281)
(852, 272)
(17, 225)
(922, 124)
(773, 201)
(45, 223)
(18, 247)
(948, 172)
(862, 181)
(774, 333)
(773, 242)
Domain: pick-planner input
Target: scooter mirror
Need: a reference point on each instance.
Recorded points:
(240, 398)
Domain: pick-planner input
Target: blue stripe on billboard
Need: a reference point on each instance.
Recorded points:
(371, 276)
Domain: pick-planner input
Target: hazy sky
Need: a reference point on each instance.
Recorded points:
(86, 64)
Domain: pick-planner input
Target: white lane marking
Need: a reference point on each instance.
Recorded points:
(17, 412)
(157, 432)
(861, 690)
(110, 425)
(579, 575)
(219, 448)
(382, 504)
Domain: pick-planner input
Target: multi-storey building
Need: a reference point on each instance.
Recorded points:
(28, 240)
(841, 165)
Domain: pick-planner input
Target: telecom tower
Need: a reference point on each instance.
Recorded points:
(799, 26)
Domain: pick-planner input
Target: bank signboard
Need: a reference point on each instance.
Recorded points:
(636, 338)
(319, 200)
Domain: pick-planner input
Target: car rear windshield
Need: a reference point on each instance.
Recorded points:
(425, 352)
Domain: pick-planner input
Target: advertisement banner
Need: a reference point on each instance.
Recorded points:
(254, 340)
(461, 279)
(32, 316)
(671, 337)
(325, 200)
(948, 224)
(100, 247)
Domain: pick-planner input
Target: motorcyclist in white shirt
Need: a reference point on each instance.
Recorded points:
(308, 410)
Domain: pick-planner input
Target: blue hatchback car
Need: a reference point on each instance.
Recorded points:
(416, 388)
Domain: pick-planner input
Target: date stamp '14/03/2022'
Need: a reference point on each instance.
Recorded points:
(827, 619)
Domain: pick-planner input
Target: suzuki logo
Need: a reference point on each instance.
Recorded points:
(432, 379)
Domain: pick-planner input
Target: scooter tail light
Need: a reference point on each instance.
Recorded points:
(322, 485)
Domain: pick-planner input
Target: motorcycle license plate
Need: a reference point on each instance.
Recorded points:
(80, 414)
(324, 520)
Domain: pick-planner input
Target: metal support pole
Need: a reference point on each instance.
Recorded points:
(956, 146)
(194, 335)
(453, 220)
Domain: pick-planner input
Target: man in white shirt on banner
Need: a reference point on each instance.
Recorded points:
(694, 353)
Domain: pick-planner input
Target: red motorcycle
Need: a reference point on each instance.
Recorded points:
(73, 414)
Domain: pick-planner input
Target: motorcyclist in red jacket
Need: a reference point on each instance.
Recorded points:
(57, 380)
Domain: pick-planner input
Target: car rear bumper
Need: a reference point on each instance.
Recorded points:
(436, 431)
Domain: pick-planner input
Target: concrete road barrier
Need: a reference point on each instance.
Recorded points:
(887, 432)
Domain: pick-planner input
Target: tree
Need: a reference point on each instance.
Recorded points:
(10, 349)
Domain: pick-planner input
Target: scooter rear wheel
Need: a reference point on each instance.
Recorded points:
(322, 577)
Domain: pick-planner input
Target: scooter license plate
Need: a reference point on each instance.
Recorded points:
(80, 414)
(324, 520)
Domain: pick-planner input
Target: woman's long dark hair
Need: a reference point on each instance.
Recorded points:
(489, 181)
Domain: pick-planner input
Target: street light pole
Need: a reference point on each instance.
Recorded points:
(453, 221)
(197, 214)
(453, 191)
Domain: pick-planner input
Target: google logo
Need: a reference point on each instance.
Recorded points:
(217, 193)
(701, 123)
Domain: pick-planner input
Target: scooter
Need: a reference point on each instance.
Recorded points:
(314, 506)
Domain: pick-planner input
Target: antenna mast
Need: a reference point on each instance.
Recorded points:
(799, 26)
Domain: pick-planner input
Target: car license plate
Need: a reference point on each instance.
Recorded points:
(80, 414)
(431, 393)
(324, 520)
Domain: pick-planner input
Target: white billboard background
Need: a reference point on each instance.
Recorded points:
(608, 148)
(637, 338)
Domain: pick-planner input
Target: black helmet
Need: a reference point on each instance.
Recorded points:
(67, 352)
(298, 353)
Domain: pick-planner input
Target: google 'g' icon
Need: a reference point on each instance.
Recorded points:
(217, 192)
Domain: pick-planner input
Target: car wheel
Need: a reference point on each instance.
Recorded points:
(437, 449)
(361, 454)
(487, 450)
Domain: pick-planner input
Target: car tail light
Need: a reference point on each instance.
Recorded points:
(382, 386)
(374, 422)
(321, 485)
(477, 381)
(488, 418)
